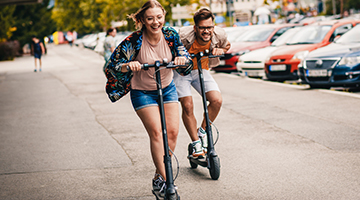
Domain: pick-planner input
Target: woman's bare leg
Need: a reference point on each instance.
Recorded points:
(150, 117)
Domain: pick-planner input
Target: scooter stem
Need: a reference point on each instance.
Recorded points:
(210, 147)
(170, 190)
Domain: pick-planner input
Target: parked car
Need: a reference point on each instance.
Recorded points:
(99, 48)
(257, 36)
(252, 63)
(283, 63)
(233, 33)
(337, 64)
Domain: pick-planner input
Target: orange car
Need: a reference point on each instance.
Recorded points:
(283, 63)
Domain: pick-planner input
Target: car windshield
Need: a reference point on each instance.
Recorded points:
(255, 35)
(310, 35)
(285, 37)
(234, 33)
(352, 36)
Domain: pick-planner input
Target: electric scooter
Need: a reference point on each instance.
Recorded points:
(211, 160)
(170, 193)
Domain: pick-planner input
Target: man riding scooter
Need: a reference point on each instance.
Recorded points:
(199, 38)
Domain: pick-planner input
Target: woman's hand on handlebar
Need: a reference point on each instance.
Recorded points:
(180, 60)
(132, 66)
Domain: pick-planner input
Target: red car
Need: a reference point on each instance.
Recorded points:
(255, 37)
(283, 63)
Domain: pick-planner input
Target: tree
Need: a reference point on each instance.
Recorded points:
(86, 16)
(32, 19)
(7, 22)
(79, 15)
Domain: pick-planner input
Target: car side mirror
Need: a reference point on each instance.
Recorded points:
(273, 39)
(337, 37)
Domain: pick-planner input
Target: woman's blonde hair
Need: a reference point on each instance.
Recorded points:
(139, 15)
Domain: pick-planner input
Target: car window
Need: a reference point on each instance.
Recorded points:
(352, 36)
(256, 35)
(234, 34)
(310, 35)
(279, 33)
(285, 37)
(340, 31)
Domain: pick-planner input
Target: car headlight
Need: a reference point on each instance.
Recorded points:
(350, 60)
(300, 55)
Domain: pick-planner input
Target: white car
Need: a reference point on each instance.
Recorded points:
(118, 39)
(252, 63)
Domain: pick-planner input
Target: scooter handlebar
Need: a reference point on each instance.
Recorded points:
(159, 64)
(206, 53)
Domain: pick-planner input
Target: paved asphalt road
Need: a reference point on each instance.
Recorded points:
(61, 138)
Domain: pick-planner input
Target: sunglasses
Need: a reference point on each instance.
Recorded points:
(203, 28)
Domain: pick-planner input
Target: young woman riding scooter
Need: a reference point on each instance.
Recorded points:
(150, 43)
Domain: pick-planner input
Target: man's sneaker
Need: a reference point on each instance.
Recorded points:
(203, 137)
(198, 151)
(158, 182)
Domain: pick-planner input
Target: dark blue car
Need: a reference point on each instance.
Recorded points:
(337, 64)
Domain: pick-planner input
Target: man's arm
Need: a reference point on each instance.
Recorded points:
(221, 50)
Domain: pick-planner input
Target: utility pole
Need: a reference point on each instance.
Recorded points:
(229, 7)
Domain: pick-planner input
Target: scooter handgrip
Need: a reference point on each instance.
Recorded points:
(216, 56)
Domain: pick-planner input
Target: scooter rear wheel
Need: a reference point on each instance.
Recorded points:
(214, 167)
(190, 150)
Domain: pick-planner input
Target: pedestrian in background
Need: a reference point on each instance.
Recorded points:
(37, 48)
(109, 43)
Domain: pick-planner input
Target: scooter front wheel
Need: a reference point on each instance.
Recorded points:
(190, 150)
(173, 197)
(214, 169)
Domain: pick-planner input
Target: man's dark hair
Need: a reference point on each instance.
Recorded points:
(109, 31)
(203, 14)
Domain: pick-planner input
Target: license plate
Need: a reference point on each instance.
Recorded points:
(222, 62)
(318, 73)
(277, 67)
(250, 73)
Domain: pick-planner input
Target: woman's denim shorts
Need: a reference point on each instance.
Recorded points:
(143, 98)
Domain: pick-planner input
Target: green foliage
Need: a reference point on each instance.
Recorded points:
(7, 21)
(86, 16)
(79, 15)
(32, 19)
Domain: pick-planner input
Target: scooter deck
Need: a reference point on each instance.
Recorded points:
(200, 161)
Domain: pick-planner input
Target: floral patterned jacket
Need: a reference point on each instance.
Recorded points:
(118, 83)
